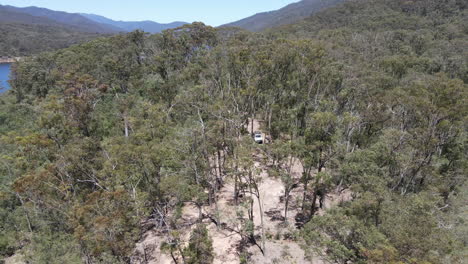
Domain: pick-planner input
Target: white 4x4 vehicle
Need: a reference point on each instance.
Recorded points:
(258, 137)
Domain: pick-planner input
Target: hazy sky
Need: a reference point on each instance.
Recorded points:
(211, 12)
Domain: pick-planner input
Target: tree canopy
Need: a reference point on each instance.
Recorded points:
(369, 97)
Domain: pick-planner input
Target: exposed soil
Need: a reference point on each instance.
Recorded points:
(15, 259)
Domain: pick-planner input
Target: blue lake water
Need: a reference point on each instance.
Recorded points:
(4, 76)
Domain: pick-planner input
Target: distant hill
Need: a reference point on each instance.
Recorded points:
(19, 40)
(22, 34)
(31, 30)
(382, 15)
(77, 21)
(9, 16)
(147, 26)
(286, 15)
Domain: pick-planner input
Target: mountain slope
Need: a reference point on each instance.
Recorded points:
(31, 30)
(9, 16)
(23, 40)
(384, 15)
(148, 26)
(23, 34)
(286, 15)
(78, 21)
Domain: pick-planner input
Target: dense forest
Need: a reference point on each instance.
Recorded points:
(286, 15)
(364, 105)
(18, 40)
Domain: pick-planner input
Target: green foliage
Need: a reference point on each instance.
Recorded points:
(370, 97)
(53, 248)
(342, 237)
(106, 223)
(200, 247)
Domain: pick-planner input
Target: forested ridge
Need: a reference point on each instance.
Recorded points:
(18, 40)
(106, 146)
(287, 15)
(128, 26)
(29, 31)
(32, 30)
(37, 15)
